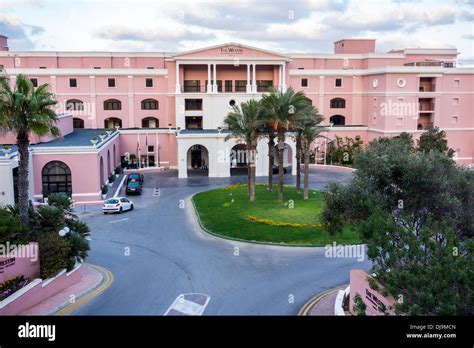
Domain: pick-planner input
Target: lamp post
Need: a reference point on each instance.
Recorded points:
(64, 231)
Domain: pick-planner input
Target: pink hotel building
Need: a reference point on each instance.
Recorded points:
(168, 108)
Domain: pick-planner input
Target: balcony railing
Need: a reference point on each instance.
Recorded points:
(193, 89)
(428, 87)
(426, 106)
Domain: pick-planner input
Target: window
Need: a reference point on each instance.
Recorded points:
(264, 85)
(338, 120)
(149, 82)
(73, 83)
(228, 85)
(111, 82)
(241, 85)
(112, 122)
(455, 119)
(150, 122)
(232, 103)
(192, 86)
(150, 104)
(97, 67)
(193, 104)
(74, 105)
(151, 148)
(399, 121)
(304, 82)
(338, 82)
(56, 178)
(42, 67)
(77, 123)
(150, 67)
(457, 83)
(193, 122)
(34, 82)
(112, 104)
(455, 101)
(338, 103)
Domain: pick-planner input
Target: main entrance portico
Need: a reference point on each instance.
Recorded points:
(209, 82)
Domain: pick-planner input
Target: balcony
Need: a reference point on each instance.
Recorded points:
(424, 121)
(427, 87)
(427, 84)
(426, 105)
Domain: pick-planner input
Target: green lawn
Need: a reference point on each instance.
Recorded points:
(220, 215)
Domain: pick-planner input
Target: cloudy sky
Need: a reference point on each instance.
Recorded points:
(287, 26)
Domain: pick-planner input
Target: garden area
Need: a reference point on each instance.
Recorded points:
(227, 212)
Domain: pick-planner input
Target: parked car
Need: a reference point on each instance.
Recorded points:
(275, 169)
(117, 205)
(134, 187)
(135, 177)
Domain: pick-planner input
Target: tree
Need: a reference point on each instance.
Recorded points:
(245, 123)
(415, 211)
(281, 109)
(434, 139)
(309, 129)
(25, 110)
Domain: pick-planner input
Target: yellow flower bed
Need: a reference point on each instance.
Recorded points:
(280, 223)
(236, 186)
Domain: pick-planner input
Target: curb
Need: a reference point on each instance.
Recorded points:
(198, 218)
(315, 299)
(107, 279)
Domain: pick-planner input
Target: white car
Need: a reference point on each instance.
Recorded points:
(117, 205)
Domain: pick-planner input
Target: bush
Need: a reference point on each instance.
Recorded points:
(111, 178)
(10, 228)
(55, 254)
(104, 189)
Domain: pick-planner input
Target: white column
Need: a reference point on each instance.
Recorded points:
(209, 85)
(283, 81)
(178, 86)
(254, 78)
(279, 77)
(249, 87)
(214, 85)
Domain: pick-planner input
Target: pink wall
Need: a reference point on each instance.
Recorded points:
(28, 267)
(38, 291)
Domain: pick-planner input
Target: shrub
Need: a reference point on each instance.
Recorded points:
(10, 228)
(111, 178)
(55, 254)
(104, 189)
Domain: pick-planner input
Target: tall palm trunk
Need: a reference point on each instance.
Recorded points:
(252, 172)
(271, 149)
(281, 149)
(298, 163)
(306, 172)
(23, 142)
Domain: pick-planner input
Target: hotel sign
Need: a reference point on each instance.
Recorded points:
(232, 50)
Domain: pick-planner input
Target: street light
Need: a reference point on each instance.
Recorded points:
(64, 231)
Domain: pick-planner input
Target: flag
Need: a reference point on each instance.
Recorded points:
(138, 149)
(146, 147)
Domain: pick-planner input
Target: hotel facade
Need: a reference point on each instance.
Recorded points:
(167, 109)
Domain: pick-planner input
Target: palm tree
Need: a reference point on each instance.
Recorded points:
(310, 130)
(25, 110)
(245, 123)
(281, 109)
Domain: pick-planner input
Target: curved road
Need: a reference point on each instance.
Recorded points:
(158, 252)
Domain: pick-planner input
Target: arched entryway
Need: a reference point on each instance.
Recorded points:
(56, 178)
(101, 173)
(108, 163)
(238, 160)
(198, 161)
